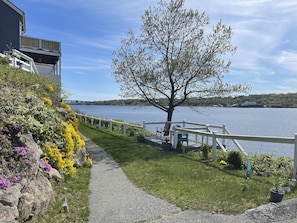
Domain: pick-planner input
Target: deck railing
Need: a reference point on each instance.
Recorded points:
(40, 44)
(19, 60)
(205, 130)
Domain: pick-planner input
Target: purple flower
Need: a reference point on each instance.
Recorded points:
(4, 183)
(23, 152)
(17, 178)
(45, 165)
(17, 149)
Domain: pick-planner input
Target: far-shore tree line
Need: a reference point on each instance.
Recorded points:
(268, 100)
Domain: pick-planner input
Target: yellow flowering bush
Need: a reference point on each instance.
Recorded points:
(47, 101)
(31, 104)
(50, 87)
(53, 156)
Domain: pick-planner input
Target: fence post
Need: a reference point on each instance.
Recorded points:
(99, 124)
(110, 125)
(184, 123)
(144, 126)
(124, 127)
(224, 132)
(295, 157)
(207, 130)
(214, 146)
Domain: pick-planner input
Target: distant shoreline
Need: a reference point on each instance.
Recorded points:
(250, 101)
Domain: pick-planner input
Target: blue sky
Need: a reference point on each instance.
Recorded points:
(265, 32)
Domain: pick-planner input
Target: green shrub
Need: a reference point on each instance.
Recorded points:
(234, 159)
(222, 155)
(205, 150)
(180, 147)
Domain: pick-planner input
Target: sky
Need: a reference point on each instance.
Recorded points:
(264, 31)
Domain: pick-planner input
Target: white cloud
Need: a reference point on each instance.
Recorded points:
(288, 61)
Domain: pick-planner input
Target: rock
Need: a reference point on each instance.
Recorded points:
(35, 197)
(28, 141)
(80, 157)
(9, 199)
(8, 214)
(10, 196)
(273, 212)
(54, 173)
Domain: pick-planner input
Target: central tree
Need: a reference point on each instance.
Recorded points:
(175, 56)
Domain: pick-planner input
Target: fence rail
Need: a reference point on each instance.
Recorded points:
(203, 130)
(19, 60)
(99, 122)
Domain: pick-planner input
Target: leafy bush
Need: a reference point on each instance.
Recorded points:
(180, 147)
(205, 150)
(234, 159)
(29, 104)
(262, 164)
(266, 165)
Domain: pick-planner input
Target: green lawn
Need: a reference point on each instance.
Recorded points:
(186, 180)
(75, 189)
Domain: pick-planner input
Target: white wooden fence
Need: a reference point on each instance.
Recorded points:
(19, 60)
(98, 121)
(203, 130)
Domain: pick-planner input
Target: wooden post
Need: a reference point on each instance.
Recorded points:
(224, 132)
(110, 125)
(295, 158)
(99, 123)
(144, 126)
(214, 146)
(184, 123)
(207, 138)
(124, 128)
(175, 139)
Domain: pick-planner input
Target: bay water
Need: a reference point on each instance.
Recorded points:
(280, 122)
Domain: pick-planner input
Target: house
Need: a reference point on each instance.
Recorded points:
(29, 53)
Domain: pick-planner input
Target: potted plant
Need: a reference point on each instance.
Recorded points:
(279, 177)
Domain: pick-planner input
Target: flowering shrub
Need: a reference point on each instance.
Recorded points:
(47, 101)
(45, 165)
(4, 183)
(28, 105)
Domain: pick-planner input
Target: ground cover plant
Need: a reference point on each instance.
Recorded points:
(187, 179)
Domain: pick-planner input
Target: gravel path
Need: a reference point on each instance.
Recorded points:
(114, 199)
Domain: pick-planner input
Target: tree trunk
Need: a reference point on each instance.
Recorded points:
(169, 119)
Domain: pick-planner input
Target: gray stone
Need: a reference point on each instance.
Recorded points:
(54, 173)
(28, 140)
(8, 214)
(10, 196)
(80, 157)
(35, 197)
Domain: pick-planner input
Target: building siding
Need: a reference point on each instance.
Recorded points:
(9, 27)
